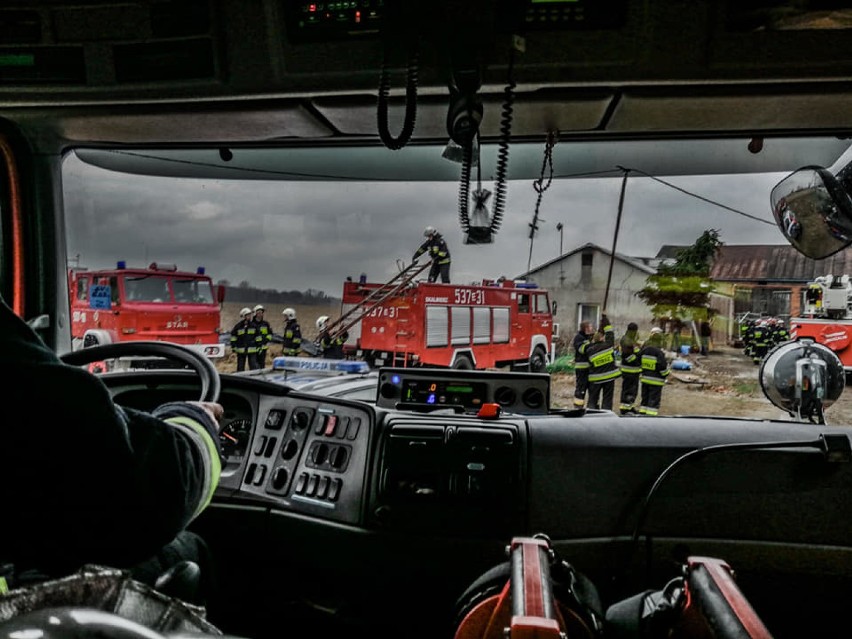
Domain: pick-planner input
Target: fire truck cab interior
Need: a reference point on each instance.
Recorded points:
(397, 518)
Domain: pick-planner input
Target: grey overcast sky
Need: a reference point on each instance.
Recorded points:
(299, 235)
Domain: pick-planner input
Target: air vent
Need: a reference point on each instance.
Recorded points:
(505, 396)
(533, 398)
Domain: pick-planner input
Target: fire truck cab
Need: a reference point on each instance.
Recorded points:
(827, 316)
(158, 303)
(491, 324)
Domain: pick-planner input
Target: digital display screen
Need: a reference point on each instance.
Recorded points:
(443, 392)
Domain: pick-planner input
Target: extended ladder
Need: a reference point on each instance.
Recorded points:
(376, 297)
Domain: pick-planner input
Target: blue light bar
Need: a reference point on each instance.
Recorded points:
(121, 264)
(320, 364)
(200, 270)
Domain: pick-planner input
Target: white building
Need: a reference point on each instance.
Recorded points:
(578, 280)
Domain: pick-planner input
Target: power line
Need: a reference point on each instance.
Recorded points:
(701, 197)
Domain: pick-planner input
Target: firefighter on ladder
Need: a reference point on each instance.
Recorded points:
(436, 248)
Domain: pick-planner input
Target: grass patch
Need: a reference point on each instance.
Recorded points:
(746, 388)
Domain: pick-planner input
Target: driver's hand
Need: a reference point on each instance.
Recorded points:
(213, 409)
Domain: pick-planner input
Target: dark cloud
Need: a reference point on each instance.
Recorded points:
(299, 235)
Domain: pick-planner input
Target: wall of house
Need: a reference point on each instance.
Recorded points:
(575, 284)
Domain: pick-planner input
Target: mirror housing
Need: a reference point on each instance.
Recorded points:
(803, 378)
(813, 212)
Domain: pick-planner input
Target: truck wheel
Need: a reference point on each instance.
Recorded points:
(538, 360)
(463, 362)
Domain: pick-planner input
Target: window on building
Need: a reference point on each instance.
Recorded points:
(588, 313)
(587, 259)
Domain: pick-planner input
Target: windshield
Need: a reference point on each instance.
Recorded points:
(609, 240)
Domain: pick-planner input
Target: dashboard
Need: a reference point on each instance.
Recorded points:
(316, 489)
(393, 465)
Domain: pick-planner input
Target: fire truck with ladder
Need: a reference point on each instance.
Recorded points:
(404, 322)
(827, 316)
(158, 303)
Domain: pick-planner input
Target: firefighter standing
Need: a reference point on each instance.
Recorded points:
(655, 371)
(603, 369)
(244, 341)
(631, 367)
(330, 345)
(581, 363)
(436, 248)
(292, 333)
(264, 335)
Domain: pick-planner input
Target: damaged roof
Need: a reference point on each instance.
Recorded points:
(774, 263)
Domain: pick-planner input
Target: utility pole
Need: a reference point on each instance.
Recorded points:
(559, 227)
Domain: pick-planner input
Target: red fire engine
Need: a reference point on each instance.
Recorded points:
(156, 303)
(486, 325)
(827, 316)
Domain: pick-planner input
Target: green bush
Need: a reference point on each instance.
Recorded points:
(562, 364)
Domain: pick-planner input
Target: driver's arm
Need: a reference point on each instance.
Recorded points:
(84, 480)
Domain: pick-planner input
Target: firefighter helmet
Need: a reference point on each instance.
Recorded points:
(245, 311)
(430, 230)
(322, 322)
(259, 307)
(289, 313)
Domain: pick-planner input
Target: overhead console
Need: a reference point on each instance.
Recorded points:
(430, 389)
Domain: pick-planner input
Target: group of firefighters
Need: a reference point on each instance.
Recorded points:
(596, 367)
(760, 335)
(252, 335)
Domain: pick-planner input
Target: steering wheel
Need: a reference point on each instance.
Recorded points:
(211, 384)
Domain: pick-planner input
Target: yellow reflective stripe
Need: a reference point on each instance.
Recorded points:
(4, 586)
(581, 365)
(215, 467)
(653, 381)
(604, 357)
(631, 369)
(602, 377)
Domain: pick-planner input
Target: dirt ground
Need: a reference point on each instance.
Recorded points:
(724, 382)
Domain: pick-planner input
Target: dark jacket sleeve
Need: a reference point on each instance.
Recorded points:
(89, 481)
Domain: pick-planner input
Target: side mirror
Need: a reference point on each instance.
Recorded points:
(813, 211)
(220, 293)
(553, 307)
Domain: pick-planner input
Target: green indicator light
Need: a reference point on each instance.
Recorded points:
(459, 389)
(17, 60)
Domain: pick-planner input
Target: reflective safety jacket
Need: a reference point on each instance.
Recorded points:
(630, 362)
(263, 334)
(87, 481)
(437, 249)
(579, 344)
(244, 337)
(292, 344)
(655, 368)
(602, 364)
(332, 347)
